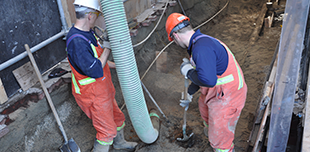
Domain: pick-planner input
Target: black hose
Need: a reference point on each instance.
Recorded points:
(299, 135)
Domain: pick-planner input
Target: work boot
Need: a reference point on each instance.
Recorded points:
(205, 131)
(99, 147)
(120, 143)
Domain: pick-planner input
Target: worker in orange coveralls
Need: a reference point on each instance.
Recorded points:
(213, 69)
(92, 86)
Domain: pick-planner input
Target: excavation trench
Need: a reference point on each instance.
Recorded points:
(33, 128)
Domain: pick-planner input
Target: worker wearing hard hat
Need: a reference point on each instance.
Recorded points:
(92, 86)
(213, 68)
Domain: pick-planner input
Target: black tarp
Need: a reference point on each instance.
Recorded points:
(28, 22)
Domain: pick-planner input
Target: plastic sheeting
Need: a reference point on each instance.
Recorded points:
(290, 50)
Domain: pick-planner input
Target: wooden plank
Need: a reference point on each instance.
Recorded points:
(268, 20)
(259, 24)
(69, 11)
(270, 87)
(257, 127)
(260, 112)
(3, 95)
(143, 16)
(25, 76)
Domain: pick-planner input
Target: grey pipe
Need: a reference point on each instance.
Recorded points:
(182, 8)
(147, 91)
(127, 71)
(33, 49)
(62, 15)
(42, 44)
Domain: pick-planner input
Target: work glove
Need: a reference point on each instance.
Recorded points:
(106, 44)
(185, 67)
(185, 102)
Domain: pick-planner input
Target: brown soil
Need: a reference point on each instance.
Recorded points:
(233, 26)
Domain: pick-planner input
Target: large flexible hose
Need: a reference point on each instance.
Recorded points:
(123, 54)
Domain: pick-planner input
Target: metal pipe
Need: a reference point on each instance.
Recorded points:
(182, 8)
(33, 49)
(42, 44)
(62, 16)
(147, 91)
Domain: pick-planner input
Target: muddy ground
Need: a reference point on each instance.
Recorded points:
(34, 128)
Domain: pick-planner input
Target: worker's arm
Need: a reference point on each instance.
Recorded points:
(205, 58)
(111, 64)
(192, 88)
(193, 76)
(189, 72)
(104, 56)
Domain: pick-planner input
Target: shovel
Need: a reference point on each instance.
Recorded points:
(185, 137)
(68, 146)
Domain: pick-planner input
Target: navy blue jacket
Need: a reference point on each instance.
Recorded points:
(210, 57)
(81, 55)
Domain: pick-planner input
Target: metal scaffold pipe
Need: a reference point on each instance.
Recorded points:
(42, 44)
(33, 49)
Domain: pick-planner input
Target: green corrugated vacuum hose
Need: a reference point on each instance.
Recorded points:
(126, 67)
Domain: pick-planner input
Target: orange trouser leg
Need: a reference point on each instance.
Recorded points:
(220, 107)
(106, 117)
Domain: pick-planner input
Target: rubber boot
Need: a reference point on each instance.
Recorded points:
(120, 143)
(100, 148)
(205, 131)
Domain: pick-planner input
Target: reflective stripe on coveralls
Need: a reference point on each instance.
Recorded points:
(111, 142)
(225, 150)
(229, 78)
(237, 66)
(86, 80)
(97, 100)
(221, 105)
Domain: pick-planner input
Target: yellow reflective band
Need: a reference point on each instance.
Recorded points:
(220, 150)
(225, 150)
(86, 81)
(239, 76)
(105, 143)
(225, 80)
(121, 127)
(205, 124)
(96, 37)
(154, 115)
(94, 50)
(238, 69)
(76, 87)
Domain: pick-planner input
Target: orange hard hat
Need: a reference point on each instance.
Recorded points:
(174, 22)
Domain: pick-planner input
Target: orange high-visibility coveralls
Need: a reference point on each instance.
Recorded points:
(221, 105)
(97, 100)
